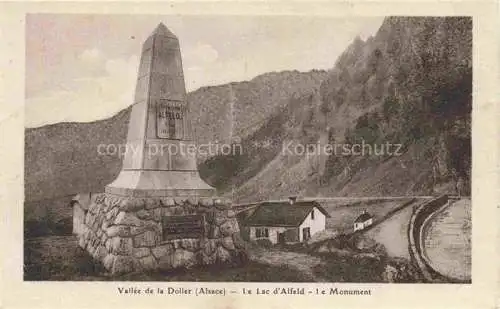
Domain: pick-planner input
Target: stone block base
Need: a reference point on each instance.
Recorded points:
(126, 233)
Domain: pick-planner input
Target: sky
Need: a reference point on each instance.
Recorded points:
(83, 67)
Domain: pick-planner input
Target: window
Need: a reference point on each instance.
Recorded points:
(261, 233)
(312, 214)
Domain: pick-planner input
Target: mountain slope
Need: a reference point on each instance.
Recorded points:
(62, 159)
(410, 85)
(415, 79)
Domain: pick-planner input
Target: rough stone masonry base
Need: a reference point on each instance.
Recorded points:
(125, 233)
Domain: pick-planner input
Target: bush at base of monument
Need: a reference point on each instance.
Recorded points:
(127, 234)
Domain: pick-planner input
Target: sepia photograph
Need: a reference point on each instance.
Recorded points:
(240, 148)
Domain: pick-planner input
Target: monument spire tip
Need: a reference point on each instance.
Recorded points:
(161, 29)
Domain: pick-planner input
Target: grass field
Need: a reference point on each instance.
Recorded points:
(58, 258)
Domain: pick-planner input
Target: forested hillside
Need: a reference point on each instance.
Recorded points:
(410, 84)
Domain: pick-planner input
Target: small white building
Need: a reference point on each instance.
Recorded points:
(363, 221)
(80, 204)
(286, 222)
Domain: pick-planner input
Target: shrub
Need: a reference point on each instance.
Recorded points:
(36, 228)
(63, 226)
(266, 243)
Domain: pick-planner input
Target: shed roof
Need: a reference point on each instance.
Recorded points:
(283, 213)
(363, 217)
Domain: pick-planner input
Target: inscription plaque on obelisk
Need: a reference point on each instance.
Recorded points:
(157, 162)
(170, 120)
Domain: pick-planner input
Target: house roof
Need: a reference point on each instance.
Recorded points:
(282, 213)
(363, 217)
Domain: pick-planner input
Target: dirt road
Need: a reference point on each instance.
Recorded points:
(392, 233)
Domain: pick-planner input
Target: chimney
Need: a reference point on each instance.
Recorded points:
(292, 200)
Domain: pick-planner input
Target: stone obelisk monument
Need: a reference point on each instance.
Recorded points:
(158, 213)
(161, 154)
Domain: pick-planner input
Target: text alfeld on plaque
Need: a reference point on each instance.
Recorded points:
(170, 119)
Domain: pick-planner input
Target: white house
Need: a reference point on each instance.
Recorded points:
(363, 221)
(286, 222)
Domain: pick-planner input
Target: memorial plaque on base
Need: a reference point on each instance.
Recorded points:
(177, 227)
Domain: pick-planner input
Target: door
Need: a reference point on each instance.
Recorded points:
(306, 232)
(281, 238)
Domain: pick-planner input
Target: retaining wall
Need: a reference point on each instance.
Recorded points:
(418, 221)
